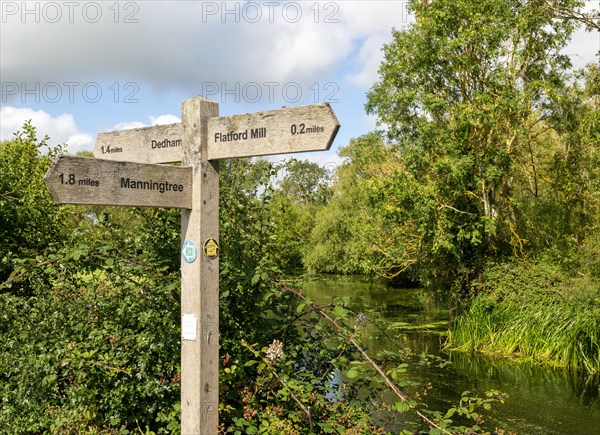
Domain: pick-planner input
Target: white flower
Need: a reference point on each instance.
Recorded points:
(275, 350)
(361, 319)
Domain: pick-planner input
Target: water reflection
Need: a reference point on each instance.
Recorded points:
(542, 400)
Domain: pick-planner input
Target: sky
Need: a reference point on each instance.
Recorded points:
(78, 68)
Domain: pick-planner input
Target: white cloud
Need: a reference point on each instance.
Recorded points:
(60, 129)
(181, 44)
(583, 48)
(369, 59)
(128, 125)
(370, 122)
(330, 161)
(164, 119)
(367, 17)
(80, 141)
(154, 120)
(327, 159)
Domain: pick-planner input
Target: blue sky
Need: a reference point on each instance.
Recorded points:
(80, 68)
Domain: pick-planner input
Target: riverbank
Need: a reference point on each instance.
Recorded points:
(412, 320)
(534, 311)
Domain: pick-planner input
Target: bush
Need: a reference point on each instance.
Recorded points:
(94, 349)
(29, 218)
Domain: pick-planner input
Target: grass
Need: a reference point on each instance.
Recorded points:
(534, 311)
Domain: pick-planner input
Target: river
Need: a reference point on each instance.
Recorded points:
(542, 400)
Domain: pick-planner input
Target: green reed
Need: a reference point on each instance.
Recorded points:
(547, 318)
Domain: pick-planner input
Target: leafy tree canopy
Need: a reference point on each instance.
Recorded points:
(475, 99)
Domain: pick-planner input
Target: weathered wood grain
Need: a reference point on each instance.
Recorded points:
(200, 279)
(156, 144)
(198, 142)
(282, 131)
(83, 180)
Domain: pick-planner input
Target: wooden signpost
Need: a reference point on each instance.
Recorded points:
(157, 144)
(125, 173)
(287, 130)
(82, 180)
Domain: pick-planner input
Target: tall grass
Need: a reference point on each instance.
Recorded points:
(537, 312)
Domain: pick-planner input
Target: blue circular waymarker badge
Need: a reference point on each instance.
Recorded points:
(189, 251)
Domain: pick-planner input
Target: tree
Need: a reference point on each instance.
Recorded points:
(568, 12)
(92, 343)
(305, 182)
(466, 95)
(302, 192)
(29, 218)
(347, 235)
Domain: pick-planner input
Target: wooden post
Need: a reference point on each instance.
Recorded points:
(200, 277)
(200, 140)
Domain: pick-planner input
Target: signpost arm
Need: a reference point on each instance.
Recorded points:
(76, 180)
(200, 277)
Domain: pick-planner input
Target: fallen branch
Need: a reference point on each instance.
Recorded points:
(402, 395)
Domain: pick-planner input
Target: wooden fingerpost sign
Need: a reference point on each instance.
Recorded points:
(125, 172)
(200, 278)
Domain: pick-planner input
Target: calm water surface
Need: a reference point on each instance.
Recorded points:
(542, 401)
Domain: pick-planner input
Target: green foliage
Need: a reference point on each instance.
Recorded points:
(302, 193)
(537, 311)
(260, 395)
(293, 225)
(492, 151)
(287, 398)
(336, 245)
(305, 182)
(89, 325)
(491, 154)
(473, 98)
(94, 347)
(89, 298)
(468, 408)
(292, 386)
(559, 193)
(541, 309)
(29, 218)
(347, 236)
